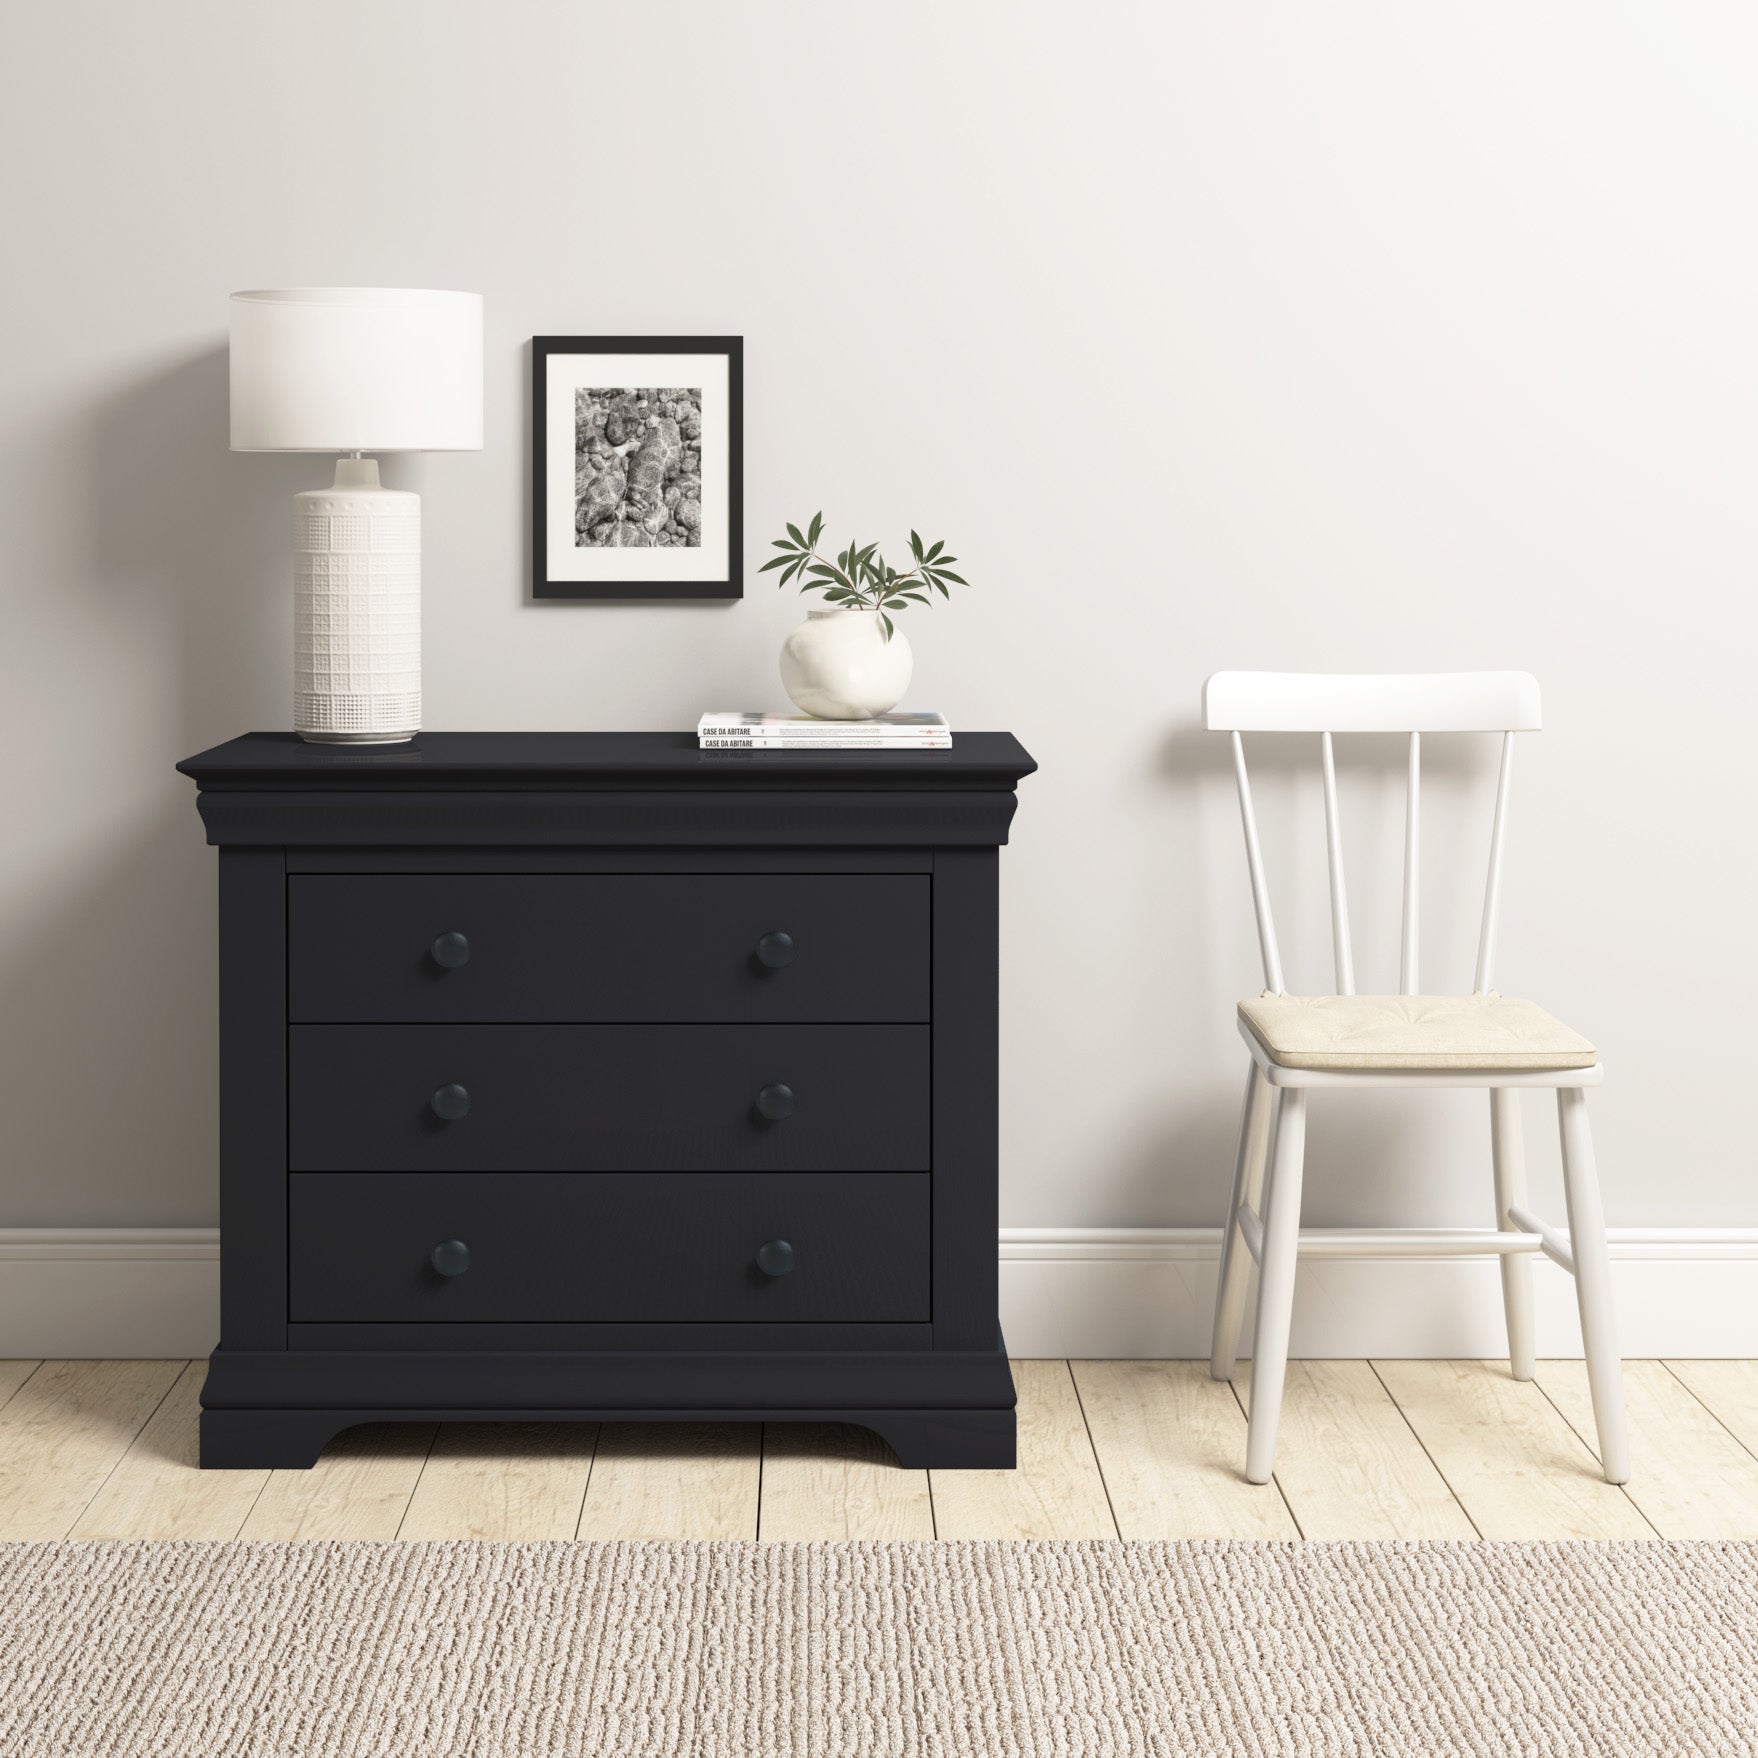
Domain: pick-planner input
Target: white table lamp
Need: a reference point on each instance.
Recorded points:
(347, 370)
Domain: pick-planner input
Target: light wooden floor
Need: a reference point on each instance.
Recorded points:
(1137, 1449)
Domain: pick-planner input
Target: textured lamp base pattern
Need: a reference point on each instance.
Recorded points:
(357, 610)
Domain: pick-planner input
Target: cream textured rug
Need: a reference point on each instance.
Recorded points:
(844, 1650)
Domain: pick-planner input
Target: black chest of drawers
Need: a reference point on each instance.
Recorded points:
(591, 1076)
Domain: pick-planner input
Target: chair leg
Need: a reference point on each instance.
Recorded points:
(1508, 1151)
(1248, 1183)
(1593, 1284)
(1275, 1282)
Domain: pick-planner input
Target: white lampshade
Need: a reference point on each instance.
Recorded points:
(356, 369)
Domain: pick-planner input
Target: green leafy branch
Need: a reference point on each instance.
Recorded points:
(861, 578)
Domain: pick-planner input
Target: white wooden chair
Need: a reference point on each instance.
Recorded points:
(1413, 1039)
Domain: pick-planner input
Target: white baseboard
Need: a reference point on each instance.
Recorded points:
(1094, 1292)
(143, 1293)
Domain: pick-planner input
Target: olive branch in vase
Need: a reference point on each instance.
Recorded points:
(862, 579)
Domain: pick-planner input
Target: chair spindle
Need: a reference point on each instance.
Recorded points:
(1260, 888)
(1407, 972)
(1340, 947)
(1492, 885)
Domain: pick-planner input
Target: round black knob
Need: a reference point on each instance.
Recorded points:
(776, 1102)
(450, 951)
(451, 1257)
(451, 1102)
(775, 950)
(775, 1257)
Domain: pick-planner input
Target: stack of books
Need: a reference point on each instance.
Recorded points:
(801, 732)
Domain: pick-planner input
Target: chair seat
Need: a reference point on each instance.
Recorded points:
(1413, 1032)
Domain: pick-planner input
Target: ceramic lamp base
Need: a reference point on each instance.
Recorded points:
(348, 738)
(357, 610)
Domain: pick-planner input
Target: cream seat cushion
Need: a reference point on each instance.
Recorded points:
(1412, 1031)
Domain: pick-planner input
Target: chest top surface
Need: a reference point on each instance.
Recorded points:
(606, 789)
(595, 761)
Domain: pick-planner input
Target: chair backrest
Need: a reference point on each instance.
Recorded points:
(1238, 702)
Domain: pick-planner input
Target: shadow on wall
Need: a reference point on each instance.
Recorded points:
(172, 630)
(207, 535)
(1367, 1152)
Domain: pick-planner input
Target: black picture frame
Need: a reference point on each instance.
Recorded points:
(733, 585)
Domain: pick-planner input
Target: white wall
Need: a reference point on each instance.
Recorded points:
(1363, 336)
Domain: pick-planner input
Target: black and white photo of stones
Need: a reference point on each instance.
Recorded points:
(637, 469)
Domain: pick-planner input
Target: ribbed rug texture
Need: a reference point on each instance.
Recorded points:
(846, 1650)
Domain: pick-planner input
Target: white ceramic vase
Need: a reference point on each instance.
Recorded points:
(838, 665)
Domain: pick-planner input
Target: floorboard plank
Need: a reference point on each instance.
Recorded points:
(674, 1480)
(1170, 1443)
(359, 1490)
(826, 1480)
(1348, 1462)
(509, 1481)
(157, 1490)
(13, 1374)
(1516, 1466)
(107, 1449)
(1730, 1390)
(1055, 1493)
(1690, 1477)
(62, 1433)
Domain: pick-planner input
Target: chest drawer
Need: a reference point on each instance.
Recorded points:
(647, 947)
(569, 1098)
(561, 1247)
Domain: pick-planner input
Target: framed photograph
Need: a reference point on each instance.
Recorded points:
(637, 471)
